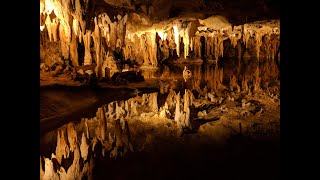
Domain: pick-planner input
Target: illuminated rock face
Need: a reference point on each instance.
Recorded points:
(139, 39)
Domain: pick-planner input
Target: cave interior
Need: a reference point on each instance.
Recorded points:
(159, 89)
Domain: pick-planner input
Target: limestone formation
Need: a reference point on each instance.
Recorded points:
(139, 39)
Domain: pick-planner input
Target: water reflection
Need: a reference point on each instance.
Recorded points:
(228, 72)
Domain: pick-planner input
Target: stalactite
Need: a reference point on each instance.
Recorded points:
(103, 23)
(42, 7)
(152, 48)
(74, 50)
(97, 45)
(78, 16)
(48, 4)
(122, 29)
(208, 41)
(176, 38)
(258, 43)
(75, 27)
(50, 28)
(186, 41)
(112, 36)
(87, 51)
(64, 40)
(216, 47)
(197, 45)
